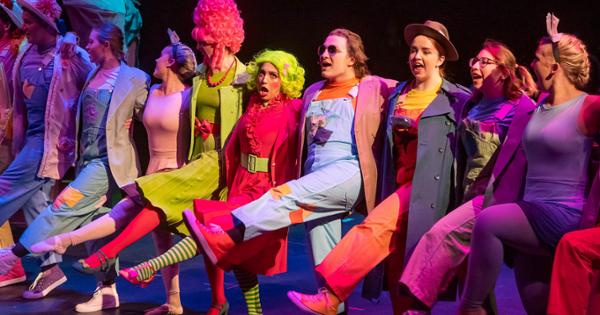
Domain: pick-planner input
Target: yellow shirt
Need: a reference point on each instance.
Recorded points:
(413, 103)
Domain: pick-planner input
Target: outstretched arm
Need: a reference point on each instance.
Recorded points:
(589, 117)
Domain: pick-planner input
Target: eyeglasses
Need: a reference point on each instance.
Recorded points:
(483, 61)
(331, 50)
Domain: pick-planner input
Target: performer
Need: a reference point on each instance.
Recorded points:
(425, 111)
(113, 93)
(216, 105)
(341, 118)
(254, 162)
(167, 123)
(49, 73)
(557, 144)
(496, 118)
(11, 38)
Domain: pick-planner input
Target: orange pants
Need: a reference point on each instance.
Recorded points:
(381, 235)
(572, 273)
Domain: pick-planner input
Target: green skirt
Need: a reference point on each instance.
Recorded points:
(174, 191)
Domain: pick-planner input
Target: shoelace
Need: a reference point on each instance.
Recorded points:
(99, 288)
(215, 228)
(38, 280)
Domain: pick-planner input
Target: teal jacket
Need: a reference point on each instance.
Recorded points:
(435, 172)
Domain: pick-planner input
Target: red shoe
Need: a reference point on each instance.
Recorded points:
(324, 302)
(212, 239)
(131, 274)
(15, 275)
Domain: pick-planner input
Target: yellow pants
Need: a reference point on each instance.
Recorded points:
(6, 238)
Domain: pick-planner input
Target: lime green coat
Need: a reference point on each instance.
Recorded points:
(231, 94)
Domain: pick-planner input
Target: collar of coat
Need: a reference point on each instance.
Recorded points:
(450, 96)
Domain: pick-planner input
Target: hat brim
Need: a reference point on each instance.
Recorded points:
(413, 30)
(12, 16)
(30, 8)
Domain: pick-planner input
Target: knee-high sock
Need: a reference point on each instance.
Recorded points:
(183, 250)
(249, 285)
(146, 221)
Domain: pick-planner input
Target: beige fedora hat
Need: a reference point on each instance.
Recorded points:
(435, 30)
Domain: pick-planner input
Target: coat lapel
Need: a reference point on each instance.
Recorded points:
(122, 87)
(441, 104)
(366, 95)
(513, 138)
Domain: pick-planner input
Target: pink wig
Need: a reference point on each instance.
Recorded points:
(220, 22)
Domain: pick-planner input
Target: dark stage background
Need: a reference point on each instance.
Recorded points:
(300, 26)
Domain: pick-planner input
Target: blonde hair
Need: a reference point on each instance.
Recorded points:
(573, 58)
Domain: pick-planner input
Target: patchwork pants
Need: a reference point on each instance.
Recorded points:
(78, 204)
(320, 199)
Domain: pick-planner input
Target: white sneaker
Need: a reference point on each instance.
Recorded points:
(105, 297)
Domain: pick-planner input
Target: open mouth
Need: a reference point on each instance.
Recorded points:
(417, 66)
(263, 91)
(325, 64)
(476, 76)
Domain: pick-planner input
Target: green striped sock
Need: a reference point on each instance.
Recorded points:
(184, 250)
(249, 285)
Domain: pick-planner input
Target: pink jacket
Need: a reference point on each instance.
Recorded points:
(68, 78)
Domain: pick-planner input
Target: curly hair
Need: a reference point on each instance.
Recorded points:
(290, 71)
(220, 20)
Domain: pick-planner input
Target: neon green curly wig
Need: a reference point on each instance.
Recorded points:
(290, 71)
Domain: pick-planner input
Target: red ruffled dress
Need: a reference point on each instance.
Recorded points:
(267, 132)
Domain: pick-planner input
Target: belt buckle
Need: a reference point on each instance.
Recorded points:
(252, 163)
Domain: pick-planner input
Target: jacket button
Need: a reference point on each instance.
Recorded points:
(436, 177)
(432, 205)
(441, 150)
(447, 123)
(273, 164)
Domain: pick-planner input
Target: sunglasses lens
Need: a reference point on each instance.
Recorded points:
(332, 50)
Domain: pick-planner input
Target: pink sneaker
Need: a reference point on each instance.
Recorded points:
(15, 275)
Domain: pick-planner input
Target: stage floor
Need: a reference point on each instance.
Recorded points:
(195, 288)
